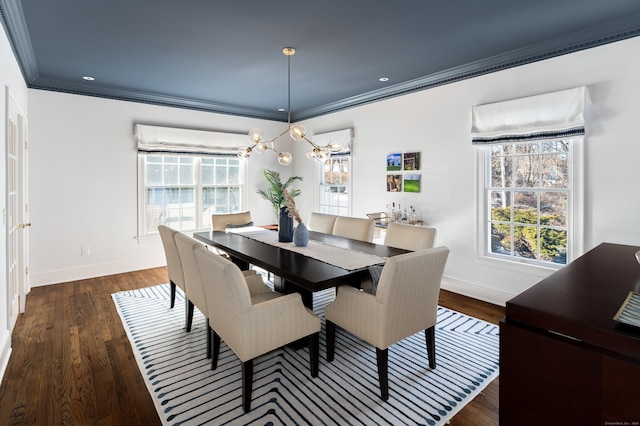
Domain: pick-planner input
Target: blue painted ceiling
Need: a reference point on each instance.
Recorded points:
(226, 56)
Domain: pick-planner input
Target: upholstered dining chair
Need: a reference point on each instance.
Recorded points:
(220, 221)
(321, 222)
(174, 266)
(410, 237)
(194, 288)
(405, 303)
(250, 318)
(355, 228)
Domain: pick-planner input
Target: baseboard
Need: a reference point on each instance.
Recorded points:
(5, 351)
(476, 291)
(67, 275)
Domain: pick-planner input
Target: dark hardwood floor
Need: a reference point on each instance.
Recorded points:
(72, 363)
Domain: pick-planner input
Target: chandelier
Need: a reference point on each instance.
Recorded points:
(297, 132)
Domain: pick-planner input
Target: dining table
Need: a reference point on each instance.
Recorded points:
(328, 260)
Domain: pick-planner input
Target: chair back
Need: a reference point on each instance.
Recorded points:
(219, 221)
(409, 287)
(321, 222)
(194, 287)
(174, 265)
(410, 237)
(227, 295)
(354, 227)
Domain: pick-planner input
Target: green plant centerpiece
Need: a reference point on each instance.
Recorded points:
(275, 192)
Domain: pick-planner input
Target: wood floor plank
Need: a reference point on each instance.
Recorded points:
(72, 363)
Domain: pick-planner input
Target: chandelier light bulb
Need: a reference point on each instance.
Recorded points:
(261, 147)
(334, 146)
(256, 136)
(298, 132)
(244, 153)
(284, 158)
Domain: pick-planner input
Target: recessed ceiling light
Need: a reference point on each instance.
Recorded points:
(88, 78)
(281, 109)
(383, 79)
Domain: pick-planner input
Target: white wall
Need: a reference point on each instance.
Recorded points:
(11, 78)
(437, 123)
(83, 182)
(83, 168)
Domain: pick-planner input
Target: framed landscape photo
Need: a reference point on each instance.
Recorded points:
(394, 183)
(411, 182)
(411, 161)
(394, 162)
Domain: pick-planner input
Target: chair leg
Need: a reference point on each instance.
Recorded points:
(173, 293)
(189, 314)
(208, 339)
(430, 336)
(247, 384)
(216, 349)
(314, 356)
(331, 340)
(382, 356)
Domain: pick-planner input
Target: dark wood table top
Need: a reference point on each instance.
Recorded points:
(581, 299)
(305, 272)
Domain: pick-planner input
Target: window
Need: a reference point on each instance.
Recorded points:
(530, 182)
(335, 182)
(529, 198)
(182, 191)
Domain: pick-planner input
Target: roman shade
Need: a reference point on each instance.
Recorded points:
(553, 115)
(157, 139)
(344, 137)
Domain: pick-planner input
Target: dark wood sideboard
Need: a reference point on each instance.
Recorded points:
(563, 359)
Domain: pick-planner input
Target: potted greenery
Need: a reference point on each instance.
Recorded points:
(275, 192)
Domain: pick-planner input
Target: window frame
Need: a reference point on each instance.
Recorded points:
(575, 214)
(320, 183)
(199, 187)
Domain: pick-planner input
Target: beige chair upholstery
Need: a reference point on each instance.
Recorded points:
(321, 222)
(354, 227)
(405, 303)
(194, 288)
(219, 222)
(174, 266)
(252, 319)
(410, 237)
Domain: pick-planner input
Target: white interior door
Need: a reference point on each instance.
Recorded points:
(17, 230)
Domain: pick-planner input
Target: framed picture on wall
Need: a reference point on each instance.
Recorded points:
(411, 182)
(394, 183)
(411, 161)
(394, 162)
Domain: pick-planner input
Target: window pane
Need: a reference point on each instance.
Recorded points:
(501, 205)
(525, 207)
(501, 173)
(553, 208)
(171, 174)
(553, 245)
(525, 241)
(207, 174)
(221, 176)
(527, 171)
(501, 238)
(186, 171)
(154, 174)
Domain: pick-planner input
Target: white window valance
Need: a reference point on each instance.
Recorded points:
(157, 139)
(548, 116)
(344, 137)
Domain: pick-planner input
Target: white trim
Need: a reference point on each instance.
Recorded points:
(476, 291)
(74, 274)
(5, 351)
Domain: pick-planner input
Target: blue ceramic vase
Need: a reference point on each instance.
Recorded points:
(301, 235)
(285, 226)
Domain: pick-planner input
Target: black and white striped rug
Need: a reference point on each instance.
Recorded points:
(187, 392)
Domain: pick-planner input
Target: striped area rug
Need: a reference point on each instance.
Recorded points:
(187, 392)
